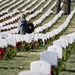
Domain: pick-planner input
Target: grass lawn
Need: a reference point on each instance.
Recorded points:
(23, 59)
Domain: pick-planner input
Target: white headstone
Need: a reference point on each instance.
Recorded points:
(56, 49)
(29, 73)
(4, 35)
(40, 66)
(70, 37)
(3, 43)
(61, 43)
(64, 37)
(11, 41)
(50, 57)
(18, 37)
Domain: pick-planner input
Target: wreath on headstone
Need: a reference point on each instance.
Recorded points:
(30, 28)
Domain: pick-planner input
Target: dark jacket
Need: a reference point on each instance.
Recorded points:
(22, 26)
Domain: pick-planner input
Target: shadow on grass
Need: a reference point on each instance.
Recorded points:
(21, 56)
(72, 62)
(73, 71)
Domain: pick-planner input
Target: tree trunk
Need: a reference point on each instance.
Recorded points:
(58, 6)
(67, 5)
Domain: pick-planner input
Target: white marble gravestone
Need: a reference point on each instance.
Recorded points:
(11, 41)
(29, 73)
(40, 66)
(4, 35)
(61, 43)
(50, 57)
(56, 49)
(3, 43)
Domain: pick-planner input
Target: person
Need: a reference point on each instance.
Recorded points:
(58, 7)
(67, 5)
(22, 25)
